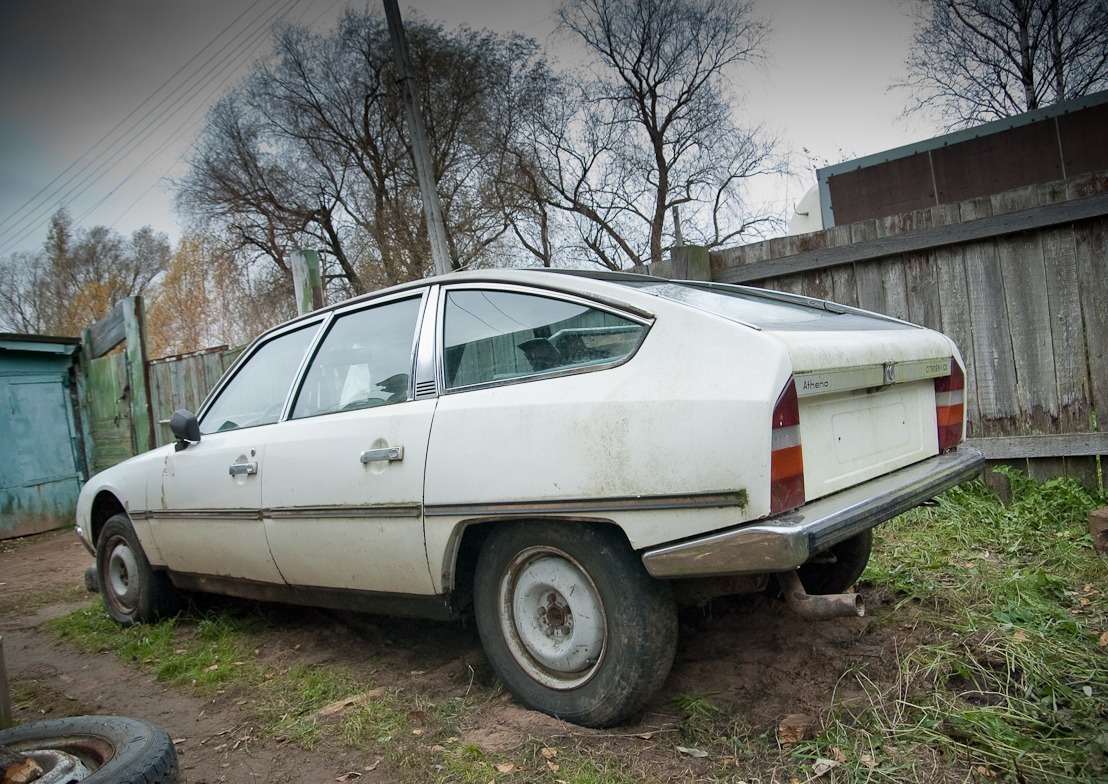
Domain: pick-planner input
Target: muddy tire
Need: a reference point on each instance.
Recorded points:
(133, 592)
(571, 621)
(836, 569)
(97, 750)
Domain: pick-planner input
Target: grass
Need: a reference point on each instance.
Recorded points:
(1002, 675)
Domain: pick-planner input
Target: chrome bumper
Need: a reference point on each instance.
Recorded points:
(782, 543)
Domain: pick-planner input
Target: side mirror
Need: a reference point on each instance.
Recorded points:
(185, 427)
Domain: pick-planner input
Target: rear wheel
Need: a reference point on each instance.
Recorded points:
(839, 567)
(133, 592)
(571, 621)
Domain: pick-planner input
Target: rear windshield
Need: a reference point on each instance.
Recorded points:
(766, 310)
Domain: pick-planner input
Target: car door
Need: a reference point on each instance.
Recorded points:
(343, 485)
(208, 520)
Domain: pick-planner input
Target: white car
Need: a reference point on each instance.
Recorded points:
(568, 455)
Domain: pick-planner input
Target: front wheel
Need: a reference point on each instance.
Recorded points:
(133, 592)
(571, 621)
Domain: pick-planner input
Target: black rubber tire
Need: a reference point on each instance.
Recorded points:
(836, 569)
(133, 592)
(625, 620)
(116, 750)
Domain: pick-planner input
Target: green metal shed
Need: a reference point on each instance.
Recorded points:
(41, 457)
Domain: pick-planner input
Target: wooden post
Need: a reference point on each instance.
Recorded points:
(690, 262)
(5, 697)
(432, 210)
(307, 281)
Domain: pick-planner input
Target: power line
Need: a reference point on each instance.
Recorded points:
(100, 156)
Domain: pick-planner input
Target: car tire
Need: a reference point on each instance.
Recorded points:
(133, 592)
(571, 621)
(97, 750)
(839, 567)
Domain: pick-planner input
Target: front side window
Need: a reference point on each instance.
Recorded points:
(364, 361)
(256, 395)
(492, 336)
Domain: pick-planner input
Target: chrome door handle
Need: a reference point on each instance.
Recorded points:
(242, 468)
(390, 454)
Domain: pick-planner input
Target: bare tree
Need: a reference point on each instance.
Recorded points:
(653, 129)
(78, 276)
(973, 61)
(313, 150)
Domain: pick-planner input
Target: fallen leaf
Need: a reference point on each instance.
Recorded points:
(178, 741)
(822, 766)
(650, 735)
(838, 755)
(548, 752)
(505, 767)
(348, 702)
(793, 729)
(373, 766)
(1104, 640)
(554, 767)
(1088, 690)
(868, 761)
(692, 752)
(347, 776)
(417, 732)
(417, 715)
(213, 667)
(438, 748)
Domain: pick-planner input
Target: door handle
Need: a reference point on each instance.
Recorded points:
(390, 454)
(236, 469)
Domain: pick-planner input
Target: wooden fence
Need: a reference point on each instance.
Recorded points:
(1019, 280)
(184, 381)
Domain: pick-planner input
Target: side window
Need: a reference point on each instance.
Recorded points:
(364, 361)
(257, 392)
(492, 336)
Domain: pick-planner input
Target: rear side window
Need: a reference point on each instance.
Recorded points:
(495, 336)
(365, 361)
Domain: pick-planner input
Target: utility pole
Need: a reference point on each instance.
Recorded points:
(432, 210)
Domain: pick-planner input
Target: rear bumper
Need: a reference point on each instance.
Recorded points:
(783, 543)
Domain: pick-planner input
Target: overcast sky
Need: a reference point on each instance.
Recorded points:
(99, 101)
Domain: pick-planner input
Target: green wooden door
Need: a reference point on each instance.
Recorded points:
(40, 463)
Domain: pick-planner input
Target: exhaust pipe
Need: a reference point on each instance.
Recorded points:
(818, 608)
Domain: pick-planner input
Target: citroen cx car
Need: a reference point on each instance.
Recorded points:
(568, 456)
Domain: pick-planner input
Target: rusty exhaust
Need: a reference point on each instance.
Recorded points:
(818, 608)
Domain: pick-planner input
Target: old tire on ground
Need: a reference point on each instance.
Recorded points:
(571, 621)
(97, 750)
(133, 592)
(838, 568)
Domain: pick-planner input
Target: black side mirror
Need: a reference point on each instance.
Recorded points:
(185, 427)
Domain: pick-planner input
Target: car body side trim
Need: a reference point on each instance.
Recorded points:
(783, 543)
(736, 498)
(382, 511)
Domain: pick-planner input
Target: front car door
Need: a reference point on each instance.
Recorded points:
(343, 485)
(208, 519)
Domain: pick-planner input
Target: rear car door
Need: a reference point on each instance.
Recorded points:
(343, 486)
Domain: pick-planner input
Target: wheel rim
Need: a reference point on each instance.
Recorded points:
(123, 580)
(552, 618)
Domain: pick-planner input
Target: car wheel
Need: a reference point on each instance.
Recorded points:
(96, 750)
(133, 592)
(836, 569)
(571, 621)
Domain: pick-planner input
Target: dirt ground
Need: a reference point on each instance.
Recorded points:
(750, 654)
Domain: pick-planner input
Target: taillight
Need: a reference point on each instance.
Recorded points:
(786, 489)
(950, 406)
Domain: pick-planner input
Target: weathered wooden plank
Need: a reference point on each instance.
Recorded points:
(994, 364)
(1041, 445)
(1071, 369)
(956, 323)
(969, 230)
(921, 280)
(1023, 280)
(106, 334)
(1091, 240)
